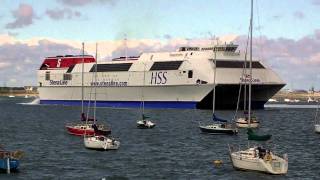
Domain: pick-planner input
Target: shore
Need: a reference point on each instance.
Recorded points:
(302, 96)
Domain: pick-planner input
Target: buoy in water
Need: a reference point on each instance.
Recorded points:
(217, 162)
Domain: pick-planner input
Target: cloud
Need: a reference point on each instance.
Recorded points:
(296, 61)
(316, 2)
(20, 60)
(24, 16)
(299, 15)
(85, 2)
(58, 14)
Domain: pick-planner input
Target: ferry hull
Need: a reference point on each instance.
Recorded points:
(182, 97)
(227, 96)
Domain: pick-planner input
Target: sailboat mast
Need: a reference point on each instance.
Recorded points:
(126, 48)
(214, 83)
(82, 77)
(250, 64)
(95, 84)
(142, 93)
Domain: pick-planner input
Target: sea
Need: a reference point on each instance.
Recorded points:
(174, 149)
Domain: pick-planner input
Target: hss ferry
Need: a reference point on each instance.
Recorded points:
(178, 79)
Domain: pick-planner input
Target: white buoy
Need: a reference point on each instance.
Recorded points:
(8, 165)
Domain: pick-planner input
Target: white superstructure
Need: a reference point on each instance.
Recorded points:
(178, 79)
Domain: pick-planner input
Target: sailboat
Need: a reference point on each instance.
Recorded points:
(317, 121)
(257, 158)
(220, 126)
(144, 123)
(83, 128)
(248, 118)
(11, 93)
(98, 141)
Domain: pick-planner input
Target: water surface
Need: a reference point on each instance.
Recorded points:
(174, 149)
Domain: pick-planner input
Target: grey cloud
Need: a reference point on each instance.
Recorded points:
(58, 14)
(24, 16)
(289, 57)
(316, 2)
(28, 59)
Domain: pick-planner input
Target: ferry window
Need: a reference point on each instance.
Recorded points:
(111, 67)
(166, 65)
(238, 64)
(67, 76)
(190, 74)
(47, 76)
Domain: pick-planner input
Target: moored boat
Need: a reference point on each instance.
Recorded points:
(10, 160)
(218, 128)
(258, 159)
(101, 143)
(244, 122)
(88, 129)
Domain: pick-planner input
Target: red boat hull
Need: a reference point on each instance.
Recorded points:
(88, 132)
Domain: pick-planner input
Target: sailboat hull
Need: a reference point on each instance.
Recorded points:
(81, 130)
(248, 160)
(217, 130)
(317, 128)
(142, 125)
(101, 143)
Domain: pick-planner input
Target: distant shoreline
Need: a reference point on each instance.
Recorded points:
(19, 94)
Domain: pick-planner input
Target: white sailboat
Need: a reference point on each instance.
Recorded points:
(99, 142)
(11, 93)
(317, 121)
(220, 126)
(257, 158)
(248, 118)
(144, 122)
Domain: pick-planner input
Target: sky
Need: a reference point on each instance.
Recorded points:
(286, 33)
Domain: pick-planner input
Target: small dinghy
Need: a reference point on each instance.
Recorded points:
(253, 136)
(10, 161)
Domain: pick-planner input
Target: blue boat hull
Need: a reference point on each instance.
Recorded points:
(14, 164)
(127, 104)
